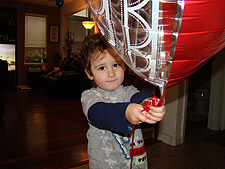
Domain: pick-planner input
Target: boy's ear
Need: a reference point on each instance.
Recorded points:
(88, 74)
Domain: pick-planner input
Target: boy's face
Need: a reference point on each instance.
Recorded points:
(107, 70)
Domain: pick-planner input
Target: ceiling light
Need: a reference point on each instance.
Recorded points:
(88, 24)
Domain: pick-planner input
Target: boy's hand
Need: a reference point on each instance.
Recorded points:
(155, 114)
(135, 115)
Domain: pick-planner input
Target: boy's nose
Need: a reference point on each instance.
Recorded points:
(111, 72)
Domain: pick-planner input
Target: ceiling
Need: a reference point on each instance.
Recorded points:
(44, 2)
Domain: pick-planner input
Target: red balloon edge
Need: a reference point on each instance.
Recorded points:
(201, 36)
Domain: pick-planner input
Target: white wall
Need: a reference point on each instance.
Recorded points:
(172, 127)
(216, 118)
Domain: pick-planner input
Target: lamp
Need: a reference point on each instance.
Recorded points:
(88, 24)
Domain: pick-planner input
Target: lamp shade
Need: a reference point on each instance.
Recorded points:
(88, 24)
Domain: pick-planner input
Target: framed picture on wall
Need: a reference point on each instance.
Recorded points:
(54, 33)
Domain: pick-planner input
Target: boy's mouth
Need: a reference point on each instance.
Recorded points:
(111, 81)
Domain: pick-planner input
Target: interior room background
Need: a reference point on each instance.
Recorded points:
(172, 128)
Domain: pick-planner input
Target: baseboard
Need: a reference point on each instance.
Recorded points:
(23, 87)
(170, 140)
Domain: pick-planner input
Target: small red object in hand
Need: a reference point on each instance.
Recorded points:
(153, 101)
(150, 102)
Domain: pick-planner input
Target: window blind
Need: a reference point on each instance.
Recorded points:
(35, 31)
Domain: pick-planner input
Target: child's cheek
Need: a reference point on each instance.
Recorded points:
(99, 79)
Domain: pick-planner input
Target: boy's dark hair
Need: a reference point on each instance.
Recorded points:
(92, 46)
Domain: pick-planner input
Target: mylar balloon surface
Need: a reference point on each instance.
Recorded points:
(143, 32)
(59, 3)
(201, 36)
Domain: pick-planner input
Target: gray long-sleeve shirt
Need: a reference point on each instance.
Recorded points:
(109, 134)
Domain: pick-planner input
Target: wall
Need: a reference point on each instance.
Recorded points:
(53, 16)
(172, 127)
(65, 12)
(75, 26)
(216, 118)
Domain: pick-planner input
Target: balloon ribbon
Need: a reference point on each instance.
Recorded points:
(146, 105)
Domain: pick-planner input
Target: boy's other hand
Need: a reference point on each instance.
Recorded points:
(134, 114)
(155, 114)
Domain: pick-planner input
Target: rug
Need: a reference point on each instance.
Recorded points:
(218, 138)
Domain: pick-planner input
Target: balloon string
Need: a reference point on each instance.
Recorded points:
(146, 105)
(132, 147)
(162, 99)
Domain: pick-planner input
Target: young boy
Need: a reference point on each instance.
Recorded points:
(113, 110)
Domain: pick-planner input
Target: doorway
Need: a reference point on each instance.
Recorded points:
(199, 93)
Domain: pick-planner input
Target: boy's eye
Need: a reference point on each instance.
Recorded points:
(101, 68)
(116, 65)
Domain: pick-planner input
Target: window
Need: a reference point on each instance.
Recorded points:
(35, 38)
(83, 13)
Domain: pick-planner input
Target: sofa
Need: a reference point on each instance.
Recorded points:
(69, 79)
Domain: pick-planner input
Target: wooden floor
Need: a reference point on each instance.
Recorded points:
(41, 131)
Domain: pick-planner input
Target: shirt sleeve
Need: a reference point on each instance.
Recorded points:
(110, 116)
(140, 96)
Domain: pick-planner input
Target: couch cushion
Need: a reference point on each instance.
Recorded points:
(72, 64)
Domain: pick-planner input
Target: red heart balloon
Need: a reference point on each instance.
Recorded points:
(201, 36)
(140, 31)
